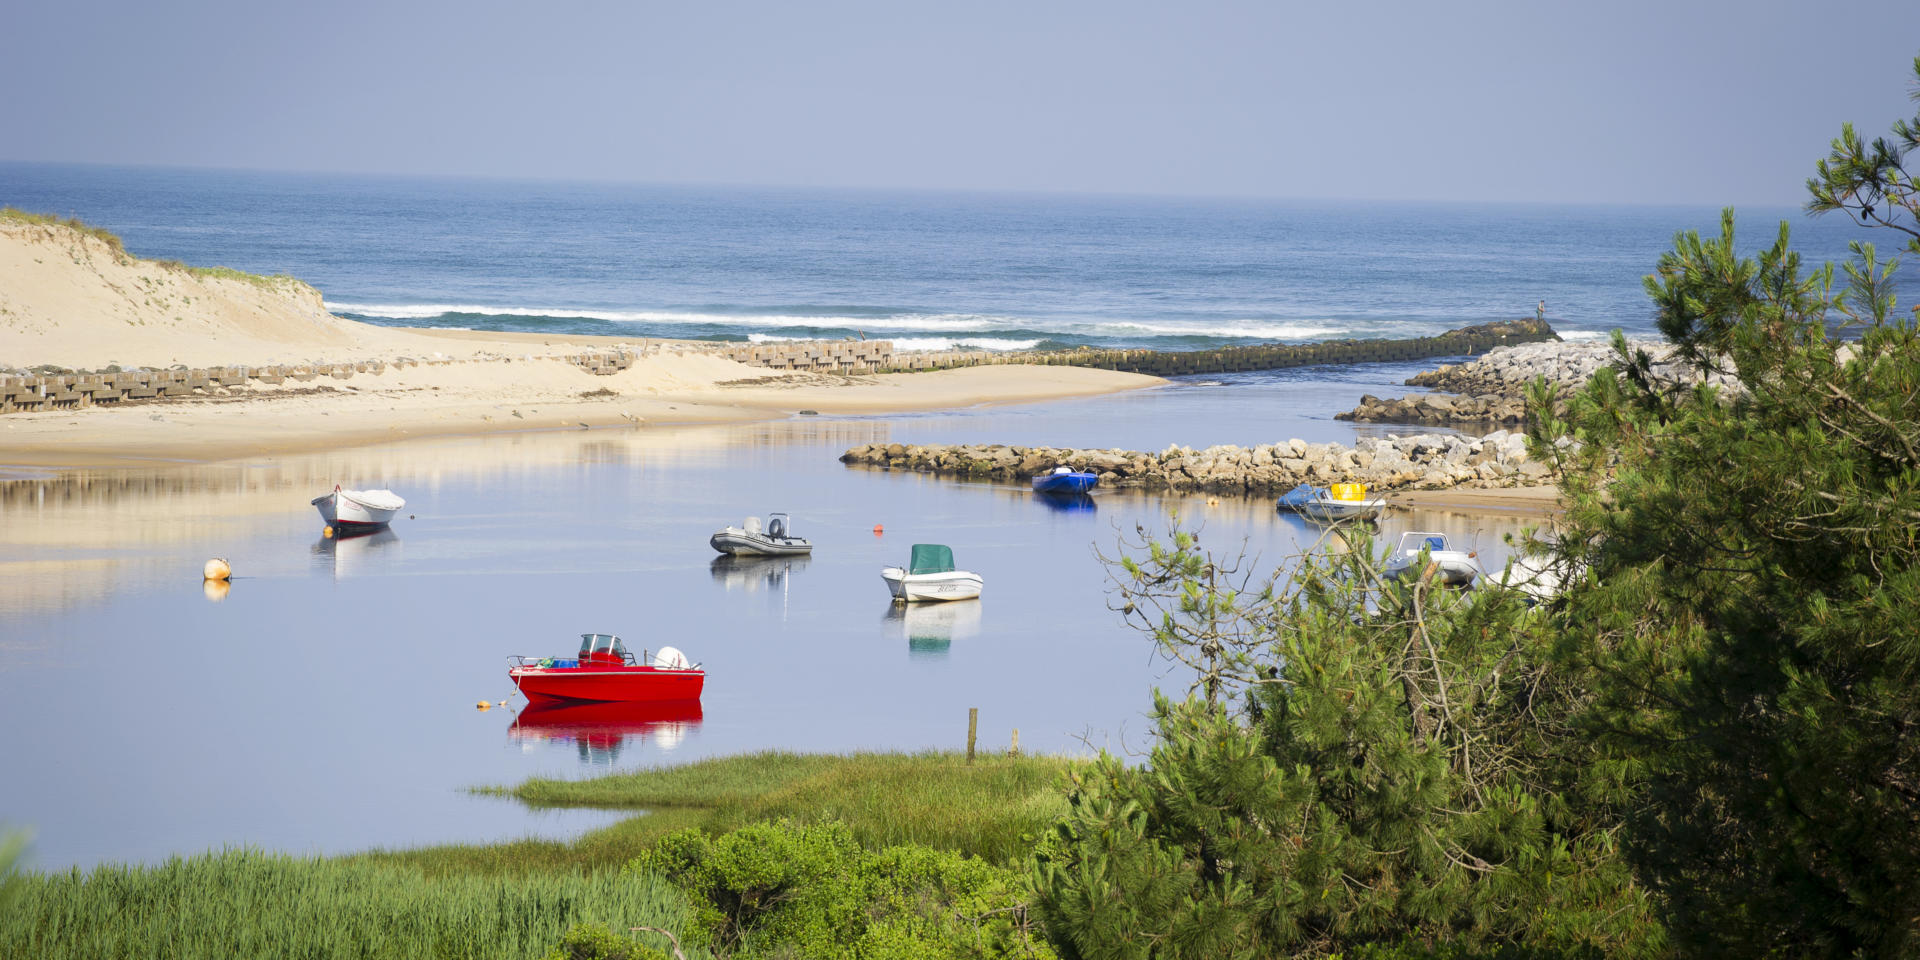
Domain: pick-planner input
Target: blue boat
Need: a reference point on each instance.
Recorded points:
(1298, 496)
(1065, 480)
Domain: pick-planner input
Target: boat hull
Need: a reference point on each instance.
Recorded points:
(740, 543)
(1065, 482)
(342, 511)
(606, 683)
(1452, 567)
(931, 587)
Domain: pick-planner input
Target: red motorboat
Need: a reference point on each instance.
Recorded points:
(605, 670)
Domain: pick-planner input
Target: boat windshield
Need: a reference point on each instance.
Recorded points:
(1413, 543)
(592, 643)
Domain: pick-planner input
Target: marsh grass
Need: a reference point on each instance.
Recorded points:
(994, 808)
(243, 903)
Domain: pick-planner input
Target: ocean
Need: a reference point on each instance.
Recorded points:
(927, 270)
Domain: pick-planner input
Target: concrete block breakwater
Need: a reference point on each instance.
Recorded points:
(69, 391)
(1423, 462)
(1466, 341)
(851, 357)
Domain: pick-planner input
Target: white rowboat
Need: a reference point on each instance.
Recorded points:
(358, 509)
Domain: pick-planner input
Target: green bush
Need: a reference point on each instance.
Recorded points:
(594, 941)
(782, 889)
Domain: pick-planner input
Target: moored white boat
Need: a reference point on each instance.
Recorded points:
(1453, 567)
(1330, 510)
(358, 509)
(929, 576)
(1341, 501)
(752, 540)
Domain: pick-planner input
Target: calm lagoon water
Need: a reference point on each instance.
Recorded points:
(325, 703)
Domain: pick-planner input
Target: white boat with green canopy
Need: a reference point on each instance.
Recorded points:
(929, 575)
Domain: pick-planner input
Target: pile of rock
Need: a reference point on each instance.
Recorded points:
(1438, 408)
(1507, 371)
(1424, 462)
(1492, 389)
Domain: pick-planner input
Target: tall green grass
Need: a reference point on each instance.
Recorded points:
(990, 808)
(993, 808)
(243, 903)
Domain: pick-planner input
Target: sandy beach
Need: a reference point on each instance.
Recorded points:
(75, 300)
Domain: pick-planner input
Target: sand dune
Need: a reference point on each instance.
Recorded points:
(72, 298)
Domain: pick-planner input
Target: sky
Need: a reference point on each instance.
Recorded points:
(1624, 101)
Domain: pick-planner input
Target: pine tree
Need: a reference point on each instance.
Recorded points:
(1359, 760)
(1749, 619)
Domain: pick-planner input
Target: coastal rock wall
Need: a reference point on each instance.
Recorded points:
(1424, 462)
(1439, 409)
(1491, 389)
(1507, 371)
(852, 357)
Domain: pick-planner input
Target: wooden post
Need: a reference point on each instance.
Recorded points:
(1016, 743)
(973, 725)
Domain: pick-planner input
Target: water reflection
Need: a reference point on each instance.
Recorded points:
(599, 731)
(754, 574)
(356, 554)
(1067, 502)
(931, 628)
(216, 590)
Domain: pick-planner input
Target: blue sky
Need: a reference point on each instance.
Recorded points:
(1634, 101)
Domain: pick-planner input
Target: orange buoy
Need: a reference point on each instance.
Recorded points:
(877, 529)
(484, 705)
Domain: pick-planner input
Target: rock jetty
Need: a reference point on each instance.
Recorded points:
(1491, 389)
(1423, 462)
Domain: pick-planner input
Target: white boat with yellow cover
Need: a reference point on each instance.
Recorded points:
(1343, 501)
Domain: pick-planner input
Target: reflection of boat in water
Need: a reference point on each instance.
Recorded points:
(355, 553)
(751, 573)
(931, 628)
(1068, 502)
(601, 730)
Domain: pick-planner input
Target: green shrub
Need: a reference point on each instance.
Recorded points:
(594, 941)
(790, 890)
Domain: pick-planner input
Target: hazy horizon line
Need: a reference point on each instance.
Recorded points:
(392, 175)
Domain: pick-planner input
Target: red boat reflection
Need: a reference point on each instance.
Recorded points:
(601, 730)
